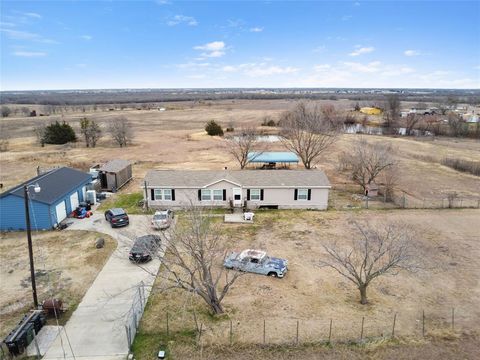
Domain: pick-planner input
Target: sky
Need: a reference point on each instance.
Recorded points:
(51, 45)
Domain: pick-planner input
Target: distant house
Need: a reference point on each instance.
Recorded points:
(61, 191)
(114, 174)
(283, 189)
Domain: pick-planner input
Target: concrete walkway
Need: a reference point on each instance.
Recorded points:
(96, 330)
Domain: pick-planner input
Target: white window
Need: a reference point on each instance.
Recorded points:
(158, 194)
(302, 194)
(163, 194)
(206, 194)
(255, 194)
(167, 194)
(218, 195)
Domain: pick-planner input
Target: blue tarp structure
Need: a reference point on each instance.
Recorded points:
(273, 157)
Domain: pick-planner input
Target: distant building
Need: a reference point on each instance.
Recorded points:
(371, 111)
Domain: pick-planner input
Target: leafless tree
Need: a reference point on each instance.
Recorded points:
(4, 136)
(193, 260)
(121, 131)
(391, 112)
(39, 131)
(371, 253)
(91, 131)
(366, 161)
(458, 127)
(411, 121)
(246, 142)
(389, 179)
(451, 197)
(309, 131)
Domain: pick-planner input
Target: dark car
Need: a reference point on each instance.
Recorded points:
(144, 248)
(117, 217)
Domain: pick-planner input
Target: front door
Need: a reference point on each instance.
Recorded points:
(237, 197)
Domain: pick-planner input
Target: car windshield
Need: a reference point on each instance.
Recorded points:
(160, 217)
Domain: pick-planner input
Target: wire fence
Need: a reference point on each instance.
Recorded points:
(293, 331)
(135, 313)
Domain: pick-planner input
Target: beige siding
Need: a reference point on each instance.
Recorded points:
(281, 197)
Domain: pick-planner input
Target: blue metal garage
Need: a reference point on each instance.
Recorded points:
(61, 190)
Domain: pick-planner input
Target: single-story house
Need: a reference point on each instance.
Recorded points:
(61, 190)
(283, 189)
(114, 174)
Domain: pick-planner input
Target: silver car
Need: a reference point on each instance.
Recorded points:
(162, 219)
(258, 262)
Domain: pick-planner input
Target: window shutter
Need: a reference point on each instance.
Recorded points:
(248, 194)
(152, 194)
(224, 194)
(309, 194)
(199, 195)
(173, 194)
(295, 196)
(261, 194)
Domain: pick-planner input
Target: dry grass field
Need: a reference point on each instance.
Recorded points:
(66, 263)
(447, 243)
(175, 139)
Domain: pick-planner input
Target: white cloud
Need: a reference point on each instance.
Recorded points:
(24, 35)
(182, 19)
(256, 29)
(197, 76)
(32, 15)
(371, 67)
(229, 68)
(7, 24)
(477, 67)
(162, 2)
(81, 65)
(259, 69)
(411, 52)
(320, 49)
(29, 53)
(212, 49)
(193, 65)
(356, 3)
(86, 37)
(361, 50)
(346, 17)
(396, 71)
(322, 67)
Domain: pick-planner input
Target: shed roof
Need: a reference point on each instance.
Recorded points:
(248, 178)
(273, 157)
(115, 165)
(54, 184)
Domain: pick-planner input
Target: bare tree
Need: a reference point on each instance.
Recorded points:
(411, 121)
(309, 131)
(458, 127)
(39, 131)
(371, 253)
(367, 161)
(121, 131)
(391, 112)
(389, 179)
(243, 144)
(91, 131)
(193, 260)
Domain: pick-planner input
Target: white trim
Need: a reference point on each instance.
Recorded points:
(216, 182)
(243, 187)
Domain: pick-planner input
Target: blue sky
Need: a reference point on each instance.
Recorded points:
(170, 44)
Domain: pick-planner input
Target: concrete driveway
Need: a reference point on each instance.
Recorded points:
(96, 330)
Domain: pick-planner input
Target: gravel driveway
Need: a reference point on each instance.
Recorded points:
(96, 330)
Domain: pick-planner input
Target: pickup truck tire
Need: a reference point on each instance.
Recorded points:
(273, 274)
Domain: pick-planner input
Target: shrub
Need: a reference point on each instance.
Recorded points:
(472, 167)
(213, 129)
(57, 133)
(268, 121)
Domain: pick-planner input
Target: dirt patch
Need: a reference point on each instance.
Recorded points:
(66, 263)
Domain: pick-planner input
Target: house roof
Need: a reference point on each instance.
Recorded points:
(54, 185)
(273, 157)
(246, 178)
(115, 165)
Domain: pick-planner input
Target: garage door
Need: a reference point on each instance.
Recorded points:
(61, 212)
(74, 201)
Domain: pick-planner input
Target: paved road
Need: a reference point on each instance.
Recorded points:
(96, 330)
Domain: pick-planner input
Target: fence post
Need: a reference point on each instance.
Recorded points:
(231, 333)
(330, 332)
(297, 334)
(423, 323)
(200, 335)
(361, 333)
(453, 319)
(393, 327)
(263, 331)
(168, 332)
